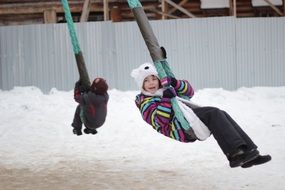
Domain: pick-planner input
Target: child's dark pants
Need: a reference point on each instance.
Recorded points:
(225, 130)
(77, 124)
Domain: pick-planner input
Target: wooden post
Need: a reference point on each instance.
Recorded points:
(50, 16)
(164, 9)
(85, 11)
(231, 11)
(106, 10)
(233, 8)
(283, 7)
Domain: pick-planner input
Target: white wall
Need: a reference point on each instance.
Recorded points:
(211, 52)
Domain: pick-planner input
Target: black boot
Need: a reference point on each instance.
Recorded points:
(261, 159)
(90, 131)
(243, 157)
(77, 131)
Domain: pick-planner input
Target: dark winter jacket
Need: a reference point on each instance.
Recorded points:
(93, 107)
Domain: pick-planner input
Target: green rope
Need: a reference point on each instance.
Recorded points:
(71, 27)
(134, 3)
(83, 73)
(164, 70)
(167, 69)
(161, 65)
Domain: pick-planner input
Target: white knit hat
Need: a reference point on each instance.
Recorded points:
(140, 73)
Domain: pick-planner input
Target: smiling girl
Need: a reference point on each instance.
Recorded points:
(154, 103)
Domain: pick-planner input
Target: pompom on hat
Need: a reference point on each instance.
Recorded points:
(140, 73)
(99, 86)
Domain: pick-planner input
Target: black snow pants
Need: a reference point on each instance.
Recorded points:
(77, 123)
(225, 130)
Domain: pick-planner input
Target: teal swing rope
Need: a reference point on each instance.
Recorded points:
(160, 63)
(71, 28)
(134, 4)
(84, 78)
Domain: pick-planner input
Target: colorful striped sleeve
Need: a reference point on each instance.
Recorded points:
(183, 88)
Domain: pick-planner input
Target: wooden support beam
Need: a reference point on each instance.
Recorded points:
(180, 9)
(233, 8)
(106, 10)
(283, 7)
(164, 9)
(180, 4)
(161, 13)
(21, 19)
(50, 16)
(274, 7)
(33, 8)
(85, 12)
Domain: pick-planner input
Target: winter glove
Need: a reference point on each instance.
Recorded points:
(169, 93)
(163, 52)
(82, 88)
(78, 84)
(165, 81)
(77, 131)
(168, 81)
(173, 82)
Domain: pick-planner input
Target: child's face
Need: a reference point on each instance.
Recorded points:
(151, 84)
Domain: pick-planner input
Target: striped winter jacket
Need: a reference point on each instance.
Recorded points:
(157, 111)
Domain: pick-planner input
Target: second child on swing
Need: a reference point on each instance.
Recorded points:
(92, 106)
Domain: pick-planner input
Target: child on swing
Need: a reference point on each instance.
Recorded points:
(92, 108)
(154, 103)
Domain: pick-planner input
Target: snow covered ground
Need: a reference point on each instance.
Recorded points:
(39, 151)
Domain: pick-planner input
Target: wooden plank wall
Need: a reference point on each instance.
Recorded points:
(16, 12)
